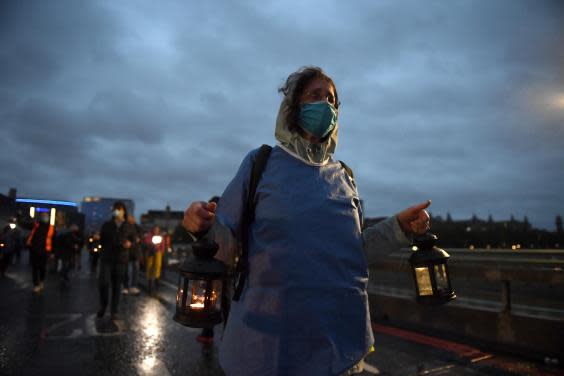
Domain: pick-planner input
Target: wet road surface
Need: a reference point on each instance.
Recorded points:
(57, 333)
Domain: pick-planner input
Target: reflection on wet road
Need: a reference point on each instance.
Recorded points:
(57, 333)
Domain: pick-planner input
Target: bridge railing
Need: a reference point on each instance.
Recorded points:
(508, 298)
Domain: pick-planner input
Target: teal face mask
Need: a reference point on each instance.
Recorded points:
(318, 118)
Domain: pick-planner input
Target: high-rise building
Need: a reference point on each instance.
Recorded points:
(98, 210)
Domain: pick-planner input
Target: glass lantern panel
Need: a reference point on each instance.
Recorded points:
(215, 296)
(441, 277)
(423, 281)
(204, 294)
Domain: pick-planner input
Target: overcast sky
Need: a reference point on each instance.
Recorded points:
(461, 102)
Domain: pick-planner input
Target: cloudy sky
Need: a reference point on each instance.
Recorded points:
(458, 101)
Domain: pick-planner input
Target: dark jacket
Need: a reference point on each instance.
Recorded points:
(68, 244)
(135, 251)
(41, 238)
(112, 238)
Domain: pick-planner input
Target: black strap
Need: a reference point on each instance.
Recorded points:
(242, 266)
(347, 169)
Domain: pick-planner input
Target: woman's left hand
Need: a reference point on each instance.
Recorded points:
(415, 219)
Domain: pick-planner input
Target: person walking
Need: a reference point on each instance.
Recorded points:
(94, 249)
(303, 309)
(8, 245)
(40, 244)
(16, 236)
(131, 285)
(67, 245)
(155, 244)
(116, 238)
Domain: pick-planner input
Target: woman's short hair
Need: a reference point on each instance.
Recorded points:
(293, 89)
(120, 205)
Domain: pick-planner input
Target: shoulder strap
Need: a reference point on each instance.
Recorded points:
(347, 169)
(256, 172)
(349, 172)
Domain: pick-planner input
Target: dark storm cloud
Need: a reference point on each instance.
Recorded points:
(161, 103)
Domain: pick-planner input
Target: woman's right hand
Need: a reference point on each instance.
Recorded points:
(199, 216)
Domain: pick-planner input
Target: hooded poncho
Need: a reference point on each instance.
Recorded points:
(304, 307)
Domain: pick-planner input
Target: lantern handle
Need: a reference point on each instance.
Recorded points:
(205, 248)
(425, 241)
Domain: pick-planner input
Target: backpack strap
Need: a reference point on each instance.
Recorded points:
(347, 169)
(249, 216)
(349, 172)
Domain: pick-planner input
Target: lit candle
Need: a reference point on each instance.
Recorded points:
(197, 306)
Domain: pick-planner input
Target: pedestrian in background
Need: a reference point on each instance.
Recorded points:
(94, 250)
(303, 309)
(8, 244)
(16, 235)
(132, 269)
(67, 245)
(78, 243)
(40, 244)
(116, 238)
(155, 244)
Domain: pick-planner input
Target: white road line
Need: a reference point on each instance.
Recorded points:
(168, 284)
(90, 326)
(21, 282)
(371, 369)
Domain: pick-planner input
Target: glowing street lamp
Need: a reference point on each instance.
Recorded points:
(200, 287)
(430, 272)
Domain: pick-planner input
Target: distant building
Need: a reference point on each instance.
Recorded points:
(166, 219)
(98, 210)
(62, 213)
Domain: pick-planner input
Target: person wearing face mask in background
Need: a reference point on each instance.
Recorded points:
(116, 238)
(40, 244)
(303, 309)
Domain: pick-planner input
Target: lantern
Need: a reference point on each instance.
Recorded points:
(430, 272)
(200, 287)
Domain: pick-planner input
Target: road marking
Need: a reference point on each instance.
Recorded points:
(90, 324)
(436, 370)
(21, 282)
(66, 319)
(371, 369)
(168, 284)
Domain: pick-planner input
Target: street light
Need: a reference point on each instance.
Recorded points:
(200, 287)
(430, 272)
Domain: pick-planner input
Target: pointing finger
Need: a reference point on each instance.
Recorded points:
(424, 205)
(212, 206)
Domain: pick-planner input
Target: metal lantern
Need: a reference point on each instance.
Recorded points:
(200, 287)
(430, 271)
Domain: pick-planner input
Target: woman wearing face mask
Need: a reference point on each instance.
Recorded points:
(303, 308)
(116, 239)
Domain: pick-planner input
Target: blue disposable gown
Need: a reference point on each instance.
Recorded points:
(304, 308)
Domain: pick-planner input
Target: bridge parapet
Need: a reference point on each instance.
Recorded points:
(510, 299)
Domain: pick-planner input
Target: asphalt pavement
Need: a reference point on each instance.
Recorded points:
(57, 333)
